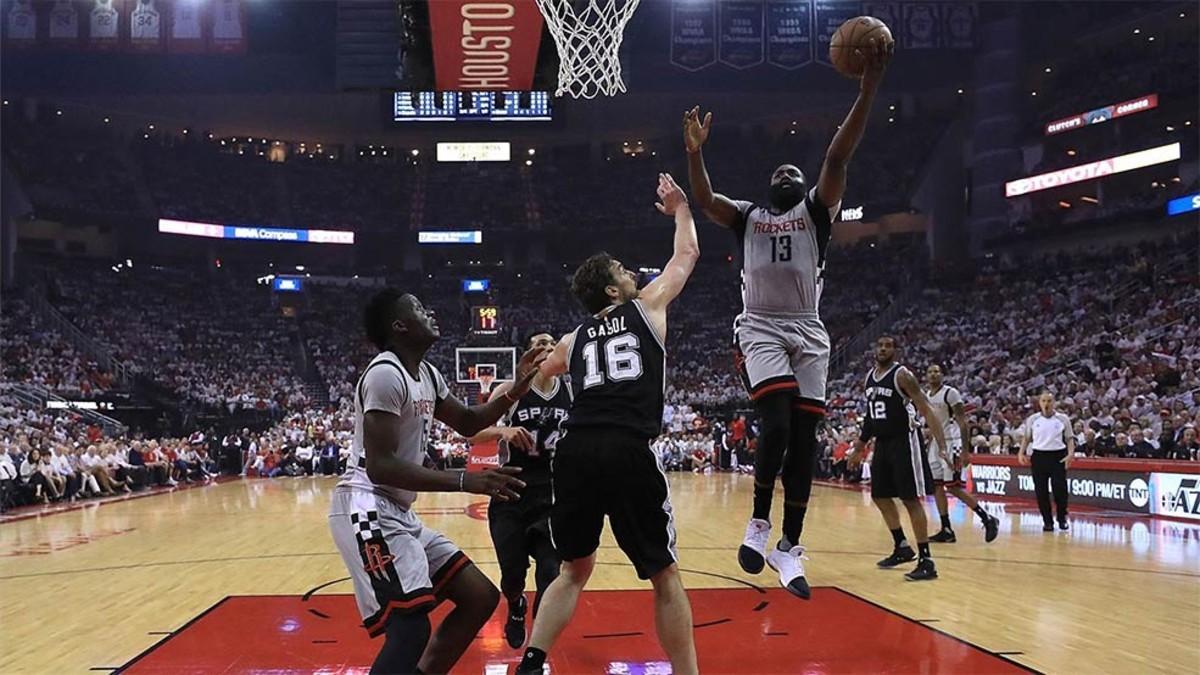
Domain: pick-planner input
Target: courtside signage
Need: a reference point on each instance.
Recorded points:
(1103, 114)
(1092, 170)
(277, 234)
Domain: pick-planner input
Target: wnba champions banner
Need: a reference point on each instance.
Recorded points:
(831, 14)
(693, 33)
(741, 23)
(959, 26)
(789, 33)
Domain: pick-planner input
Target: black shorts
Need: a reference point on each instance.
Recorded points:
(611, 472)
(516, 526)
(900, 468)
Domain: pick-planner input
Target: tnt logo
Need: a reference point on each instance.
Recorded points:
(1139, 492)
(1184, 499)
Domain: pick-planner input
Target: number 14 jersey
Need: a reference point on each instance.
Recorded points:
(783, 255)
(618, 372)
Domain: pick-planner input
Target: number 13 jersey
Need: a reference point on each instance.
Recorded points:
(783, 255)
(618, 372)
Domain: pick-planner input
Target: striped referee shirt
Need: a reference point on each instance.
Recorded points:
(1048, 433)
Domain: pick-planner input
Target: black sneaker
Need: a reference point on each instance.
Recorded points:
(991, 529)
(1062, 525)
(514, 627)
(1048, 527)
(898, 557)
(944, 537)
(924, 571)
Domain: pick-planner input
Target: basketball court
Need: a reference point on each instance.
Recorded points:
(243, 576)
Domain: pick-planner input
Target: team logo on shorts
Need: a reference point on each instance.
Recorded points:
(376, 560)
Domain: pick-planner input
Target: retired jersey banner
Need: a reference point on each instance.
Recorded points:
(789, 33)
(741, 25)
(922, 25)
(831, 14)
(186, 26)
(485, 46)
(146, 26)
(959, 25)
(693, 33)
(63, 25)
(104, 25)
(228, 34)
(20, 24)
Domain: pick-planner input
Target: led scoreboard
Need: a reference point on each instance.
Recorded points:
(485, 320)
(471, 106)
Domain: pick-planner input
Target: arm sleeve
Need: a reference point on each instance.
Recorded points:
(384, 389)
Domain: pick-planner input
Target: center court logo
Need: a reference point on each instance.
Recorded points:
(1139, 492)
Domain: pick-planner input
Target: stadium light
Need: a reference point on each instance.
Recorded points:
(299, 268)
(1137, 31)
(1049, 69)
(129, 263)
(151, 127)
(185, 132)
(1070, 153)
(58, 112)
(1170, 128)
(105, 119)
(5, 101)
(1150, 39)
(532, 152)
(1033, 93)
(415, 152)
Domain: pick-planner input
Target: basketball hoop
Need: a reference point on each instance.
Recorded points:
(485, 386)
(589, 44)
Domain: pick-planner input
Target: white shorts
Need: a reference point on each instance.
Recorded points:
(943, 473)
(783, 354)
(396, 563)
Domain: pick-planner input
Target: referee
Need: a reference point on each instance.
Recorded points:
(1049, 440)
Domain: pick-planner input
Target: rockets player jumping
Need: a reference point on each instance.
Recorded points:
(782, 348)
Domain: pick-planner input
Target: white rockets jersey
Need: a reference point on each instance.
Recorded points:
(942, 403)
(386, 385)
(783, 255)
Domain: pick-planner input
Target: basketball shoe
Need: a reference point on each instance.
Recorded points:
(752, 552)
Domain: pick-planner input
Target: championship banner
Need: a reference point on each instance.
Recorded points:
(958, 30)
(146, 25)
(20, 24)
(693, 33)
(63, 25)
(485, 46)
(922, 25)
(789, 33)
(741, 26)
(1114, 490)
(831, 14)
(104, 25)
(185, 32)
(228, 34)
(887, 12)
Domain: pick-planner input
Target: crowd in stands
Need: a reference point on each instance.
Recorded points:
(34, 354)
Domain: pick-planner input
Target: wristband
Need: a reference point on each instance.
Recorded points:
(461, 477)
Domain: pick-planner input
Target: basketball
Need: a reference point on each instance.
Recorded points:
(855, 34)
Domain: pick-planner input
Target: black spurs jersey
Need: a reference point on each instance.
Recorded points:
(889, 412)
(541, 416)
(618, 372)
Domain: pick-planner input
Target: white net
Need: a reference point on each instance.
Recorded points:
(588, 35)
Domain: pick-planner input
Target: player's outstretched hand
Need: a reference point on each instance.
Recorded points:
(695, 132)
(501, 483)
(518, 437)
(877, 55)
(527, 367)
(670, 195)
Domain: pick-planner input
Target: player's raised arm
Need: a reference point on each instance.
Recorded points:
(908, 385)
(717, 207)
(559, 359)
(659, 293)
(832, 183)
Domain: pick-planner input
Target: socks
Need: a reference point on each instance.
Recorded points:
(923, 549)
(785, 544)
(793, 521)
(898, 538)
(532, 661)
(946, 522)
(983, 515)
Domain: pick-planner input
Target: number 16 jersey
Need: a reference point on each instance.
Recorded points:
(783, 255)
(618, 372)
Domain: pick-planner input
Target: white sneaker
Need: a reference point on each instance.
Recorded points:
(791, 570)
(751, 554)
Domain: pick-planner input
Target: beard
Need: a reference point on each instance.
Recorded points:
(785, 196)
